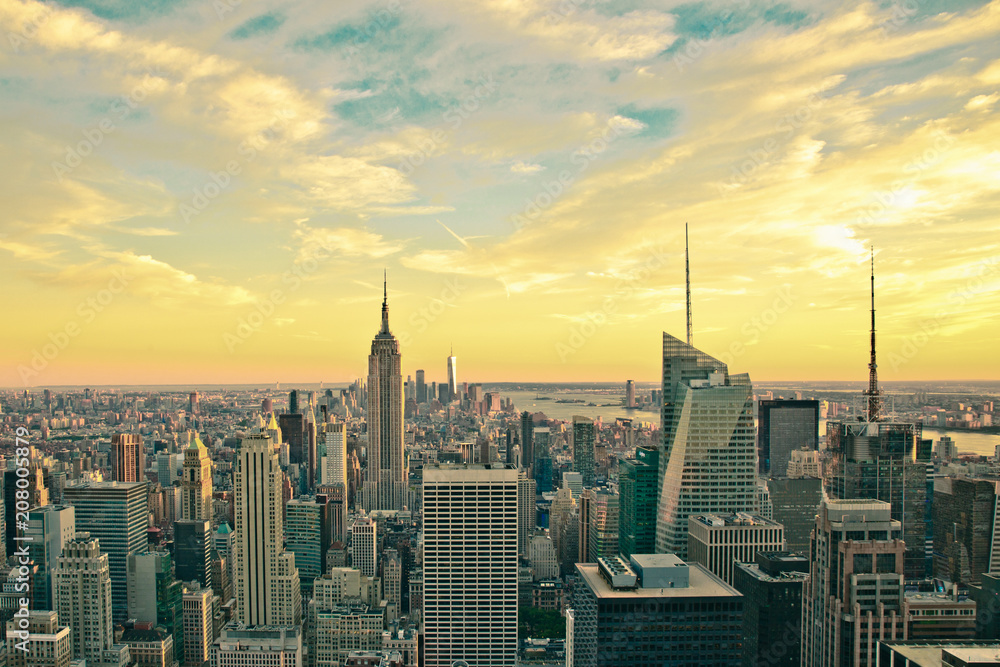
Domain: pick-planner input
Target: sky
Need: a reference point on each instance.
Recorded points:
(203, 191)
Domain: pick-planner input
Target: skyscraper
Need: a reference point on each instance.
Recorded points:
(884, 461)
(784, 426)
(50, 528)
(637, 516)
(364, 546)
(116, 514)
(630, 394)
(192, 551)
(155, 596)
(452, 377)
(267, 582)
(307, 535)
(525, 511)
(333, 464)
(421, 387)
(708, 458)
(127, 458)
(853, 597)
(196, 483)
(527, 441)
(385, 478)
(470, 529)
(583, 448)
(82, 586)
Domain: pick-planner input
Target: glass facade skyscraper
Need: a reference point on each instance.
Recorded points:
(637, 520)
(884, 461)
(584, 437)
(708, 452)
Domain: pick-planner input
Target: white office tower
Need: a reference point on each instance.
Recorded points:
(470, 566)
(452, 377)
(198, 627)
(333, 466)
(82, 594)
(525, 511)
(709, 450)
(196, 483)
(385, 477)
(267, 582)
(364, 541)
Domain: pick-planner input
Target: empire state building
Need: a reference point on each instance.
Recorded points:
(385, 479)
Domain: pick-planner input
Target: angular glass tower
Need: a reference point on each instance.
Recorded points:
(708, 450)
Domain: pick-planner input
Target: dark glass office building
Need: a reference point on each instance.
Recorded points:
(637, 479)
(772, 608)
(782, 427)
(192, 551)
(653, 610)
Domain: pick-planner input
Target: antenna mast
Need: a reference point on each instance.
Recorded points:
(687, 280)
(873, 393)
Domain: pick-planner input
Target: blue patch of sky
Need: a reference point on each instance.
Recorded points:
(130, 11)
(659, 121)
(265, 24)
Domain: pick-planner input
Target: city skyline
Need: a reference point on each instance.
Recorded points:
(207, 193)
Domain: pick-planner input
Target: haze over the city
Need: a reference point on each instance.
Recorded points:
(209, 191)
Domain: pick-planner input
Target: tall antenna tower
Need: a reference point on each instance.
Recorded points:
(874, 401)
(687, 280)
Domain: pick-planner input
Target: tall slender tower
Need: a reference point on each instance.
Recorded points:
(873, 407)
(385, 479)
(82, 597)
(687, 281)
(452, 375)
(196, 486)
(267, 582)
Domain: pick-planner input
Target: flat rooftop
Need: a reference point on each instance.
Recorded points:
(701, 583)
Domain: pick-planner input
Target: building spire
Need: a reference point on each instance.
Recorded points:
(687, 281)
(385, 302)
(873, 407)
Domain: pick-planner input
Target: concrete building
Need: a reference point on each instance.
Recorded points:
(82, 591)
(128, 461)
(655, 609)
(720, 542)
(260, 646)
(854, 595)
(525, 511)
(348, 626)
(155, 597)
(364, 545)
(44, 644)
(196, 482)
(199, 631)
(470, 529)
(934, 653)
(49, 529)
(267, 581)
